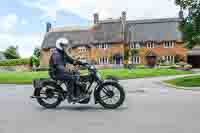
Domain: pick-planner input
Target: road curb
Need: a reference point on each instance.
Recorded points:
(180, 87)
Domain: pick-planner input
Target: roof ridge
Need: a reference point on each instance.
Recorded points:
(70, 28)
(155, 20)
(109, 21)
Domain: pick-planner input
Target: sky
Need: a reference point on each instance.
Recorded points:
(22, 22)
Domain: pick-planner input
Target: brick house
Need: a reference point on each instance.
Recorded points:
(105, 42)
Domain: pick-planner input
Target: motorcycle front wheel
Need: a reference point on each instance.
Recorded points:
(111, 95)
(48, 97)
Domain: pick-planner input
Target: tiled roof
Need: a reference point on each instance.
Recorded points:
(153, 30)
(111, 30)
(108, 31)
(77, 38)
(68, 28)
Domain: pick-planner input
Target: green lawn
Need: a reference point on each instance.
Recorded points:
(27, 77)
(191, 81)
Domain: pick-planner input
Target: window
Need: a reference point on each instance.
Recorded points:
(136, 60)
(169, 44)
(103, 45)
(135, 45)
(150, 45)
(82, 49)
(169, 59)
(103, 60)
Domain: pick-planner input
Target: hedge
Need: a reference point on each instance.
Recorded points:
(15, 62)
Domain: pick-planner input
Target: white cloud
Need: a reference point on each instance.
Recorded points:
(112, 8)
(8, 22)
(136, 9)
(24, 21)
(49, 9)
(26, 42)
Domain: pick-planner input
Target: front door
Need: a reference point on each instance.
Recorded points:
(151, 61)
(118, 61)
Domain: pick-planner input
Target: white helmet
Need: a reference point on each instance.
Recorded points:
(60, 43)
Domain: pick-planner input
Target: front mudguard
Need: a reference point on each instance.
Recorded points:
(109, 81)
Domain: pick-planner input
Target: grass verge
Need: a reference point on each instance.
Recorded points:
(27, 77)
(191, 81)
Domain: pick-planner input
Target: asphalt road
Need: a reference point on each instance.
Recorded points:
(158, 109)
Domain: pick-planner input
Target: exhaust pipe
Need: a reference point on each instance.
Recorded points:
(38, 97)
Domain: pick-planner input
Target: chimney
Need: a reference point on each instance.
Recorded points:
(96, 18)
(123, 16)
(123, 20)
(181, 15)
(48, 26)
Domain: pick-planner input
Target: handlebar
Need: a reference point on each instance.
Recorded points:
(86, 65)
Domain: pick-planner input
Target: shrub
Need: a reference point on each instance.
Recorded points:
(34, 61)
(166, 64)
(178, 58)
(14, 62)
(42, 69)
(182, 64)
(175, 66)
(187, 67)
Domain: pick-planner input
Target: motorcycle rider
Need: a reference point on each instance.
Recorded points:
(59, 58)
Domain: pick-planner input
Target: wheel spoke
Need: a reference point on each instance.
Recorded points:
(105, 90)
(104, 97)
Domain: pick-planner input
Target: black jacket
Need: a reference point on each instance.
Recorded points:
(58, 61)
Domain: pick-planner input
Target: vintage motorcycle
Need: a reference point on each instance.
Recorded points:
(109, 93)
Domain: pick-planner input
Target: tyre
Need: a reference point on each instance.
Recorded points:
(111, 95)
(48, 92)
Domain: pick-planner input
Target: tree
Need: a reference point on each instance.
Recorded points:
(37, 52)
(35, 58)
(134, 52)
(190, 26)
(12, 53)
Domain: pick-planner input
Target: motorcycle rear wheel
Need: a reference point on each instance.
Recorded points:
(43, 102)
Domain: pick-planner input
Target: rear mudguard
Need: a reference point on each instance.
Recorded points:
(45, 82)
(101, 85)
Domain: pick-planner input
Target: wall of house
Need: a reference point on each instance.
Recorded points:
(81, 54)
(97, 53)
(178, 49)
(44, 57)
(93, 54)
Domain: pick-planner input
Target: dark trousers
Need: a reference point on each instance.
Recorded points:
(71, 79)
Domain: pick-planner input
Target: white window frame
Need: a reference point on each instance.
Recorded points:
(150, 45)
(103, 60)
(82, 49)
(134, 45)
(169, 59)
(136, 59)
(103, 45)
(169, 44)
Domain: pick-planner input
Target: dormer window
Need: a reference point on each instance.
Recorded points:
(150, 45)
(169, 44)
(134, 45)
(82, 49)
(103, 45)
